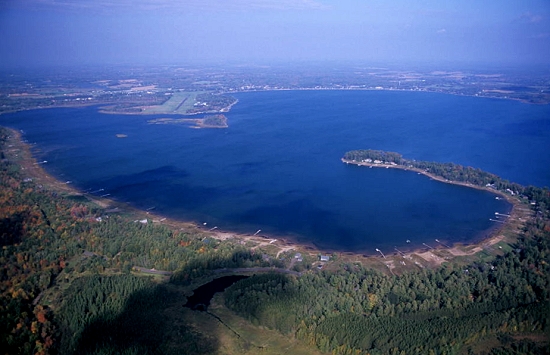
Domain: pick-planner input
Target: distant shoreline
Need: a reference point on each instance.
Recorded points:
(389, 89)
(103, 107)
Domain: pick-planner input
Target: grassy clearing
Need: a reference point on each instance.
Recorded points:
(253, 339)
(179, 103)
(482, 347)
(235, 336)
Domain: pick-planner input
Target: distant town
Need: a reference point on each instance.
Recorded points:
(197, 90)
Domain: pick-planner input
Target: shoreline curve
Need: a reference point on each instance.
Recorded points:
(284, 243)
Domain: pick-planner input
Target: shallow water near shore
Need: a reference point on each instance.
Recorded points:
(277, 167)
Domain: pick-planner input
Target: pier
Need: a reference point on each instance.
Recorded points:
(399, 251)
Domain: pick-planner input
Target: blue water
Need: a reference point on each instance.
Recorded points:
(277, 167)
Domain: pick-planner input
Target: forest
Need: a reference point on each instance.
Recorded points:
(69, 284)
(359, 311)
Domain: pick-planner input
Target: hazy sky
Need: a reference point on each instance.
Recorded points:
(46, 32)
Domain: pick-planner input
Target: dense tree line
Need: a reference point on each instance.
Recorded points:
(380, 155)
(360, 311)
(91, 298)
(32, 256)
(123, 314)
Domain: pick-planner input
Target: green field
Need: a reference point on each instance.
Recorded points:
(180, 103)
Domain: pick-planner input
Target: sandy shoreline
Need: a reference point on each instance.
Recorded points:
(33, 169)
(495, 236)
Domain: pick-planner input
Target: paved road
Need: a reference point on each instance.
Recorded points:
(257, 269)
(223, 271)
(152, 271)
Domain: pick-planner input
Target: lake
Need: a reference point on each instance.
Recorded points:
(277, 167)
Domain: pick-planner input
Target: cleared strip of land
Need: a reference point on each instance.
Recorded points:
(180, 103)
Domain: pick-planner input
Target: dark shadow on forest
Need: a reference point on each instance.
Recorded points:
(202, 295)
(11, 228)
(142, 328)
(150, 321)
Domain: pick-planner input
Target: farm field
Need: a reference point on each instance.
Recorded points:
(180, 103)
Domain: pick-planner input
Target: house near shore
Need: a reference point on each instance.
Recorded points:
(325, 257)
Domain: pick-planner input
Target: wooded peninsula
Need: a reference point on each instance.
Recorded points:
(80, 277)
(446, 172)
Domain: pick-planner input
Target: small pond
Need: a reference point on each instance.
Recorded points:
(203, 295)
